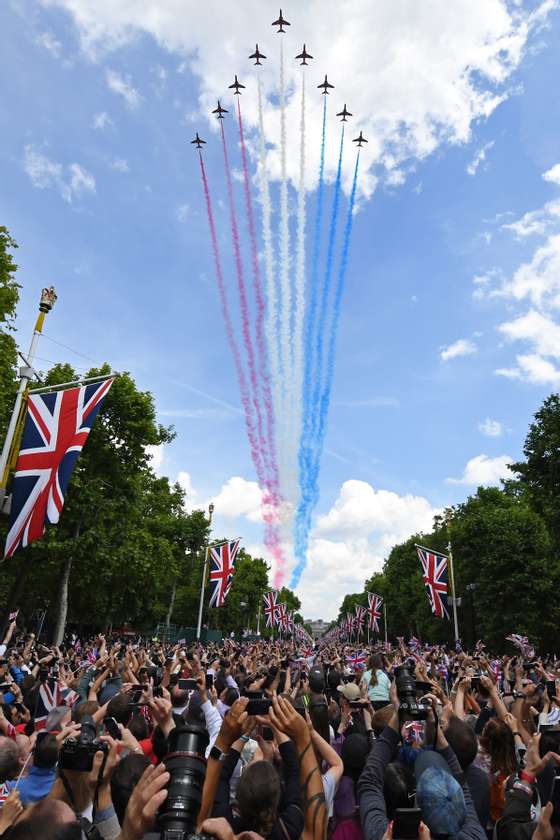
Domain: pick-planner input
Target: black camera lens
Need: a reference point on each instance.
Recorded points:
(88, 731)
(409, 707)
(186, 764)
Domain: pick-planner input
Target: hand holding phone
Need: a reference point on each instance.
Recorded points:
(112, 728)
(406, 825)
(258, 707)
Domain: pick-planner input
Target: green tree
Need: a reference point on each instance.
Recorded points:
(110, 537)
(250, 582)
(286, 596)
(9, 297)
(539, 474)
(503, 546)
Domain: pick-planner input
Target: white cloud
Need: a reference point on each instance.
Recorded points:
(123, 87)
(182, 212)
(491, 428)
(461, 347)
(70, 181)
(120, 165)
(535, 222)
(479, 158)
(542, 332)
(351, 541)
(50, 42)
(463, 54)
(156, 456)
(191, 496)
(553, 174)
(239, 497)
(482, 470)
(360, 510)
(534, 369)
(101, 120)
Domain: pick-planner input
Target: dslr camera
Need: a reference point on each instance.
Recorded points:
(186, 764)
(77, 753)
(409, 707)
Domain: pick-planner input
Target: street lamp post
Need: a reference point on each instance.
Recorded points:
(471, 589)
(204, 571)
(48, 299)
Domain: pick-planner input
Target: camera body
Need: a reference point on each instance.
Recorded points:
(77, 753)
(409, 707)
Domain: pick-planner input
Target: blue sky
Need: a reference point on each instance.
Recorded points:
(450, 314)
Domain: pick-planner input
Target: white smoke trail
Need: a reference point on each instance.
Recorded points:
(299, 313)
(288, 475)
(271, 294)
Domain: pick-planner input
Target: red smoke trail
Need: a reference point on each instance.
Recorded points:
(272, 540)
(251, 432)
(270, 461)
(245, 319)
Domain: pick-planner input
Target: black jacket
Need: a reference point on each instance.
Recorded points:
(373, 812)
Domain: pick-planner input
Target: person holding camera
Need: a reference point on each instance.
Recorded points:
(443, 798)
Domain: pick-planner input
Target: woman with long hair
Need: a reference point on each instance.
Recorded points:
(498, 748)
(377, 682)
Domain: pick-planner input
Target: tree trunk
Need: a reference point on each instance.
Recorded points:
(15, 596)
(171, 604)
(60, 626)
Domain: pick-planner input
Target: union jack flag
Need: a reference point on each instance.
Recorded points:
(222, 567)
(270, 607)
(434, 569)
(51, 695)
(357, 659)
(375, 605)
(360, 615)
(281, 616)
(56, 428)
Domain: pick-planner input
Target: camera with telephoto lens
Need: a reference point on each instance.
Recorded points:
(186, 764)
(409, 707)
(77, 753)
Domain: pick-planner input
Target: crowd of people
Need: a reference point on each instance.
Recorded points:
(104, 737)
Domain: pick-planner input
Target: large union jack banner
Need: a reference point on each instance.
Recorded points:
(222, 567)
(375, 605)
(271, 607)
(56, 428)
(434, 575)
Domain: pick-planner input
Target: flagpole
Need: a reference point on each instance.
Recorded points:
(385, 617)
(48, 299)
(259, 620)
(204, 572)
(455, 621)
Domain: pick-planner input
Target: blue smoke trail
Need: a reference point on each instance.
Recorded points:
(307, 425)
(339, 289)
(300, 540)
(310, 449)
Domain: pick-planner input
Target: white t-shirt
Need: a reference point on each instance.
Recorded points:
(329, 789)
